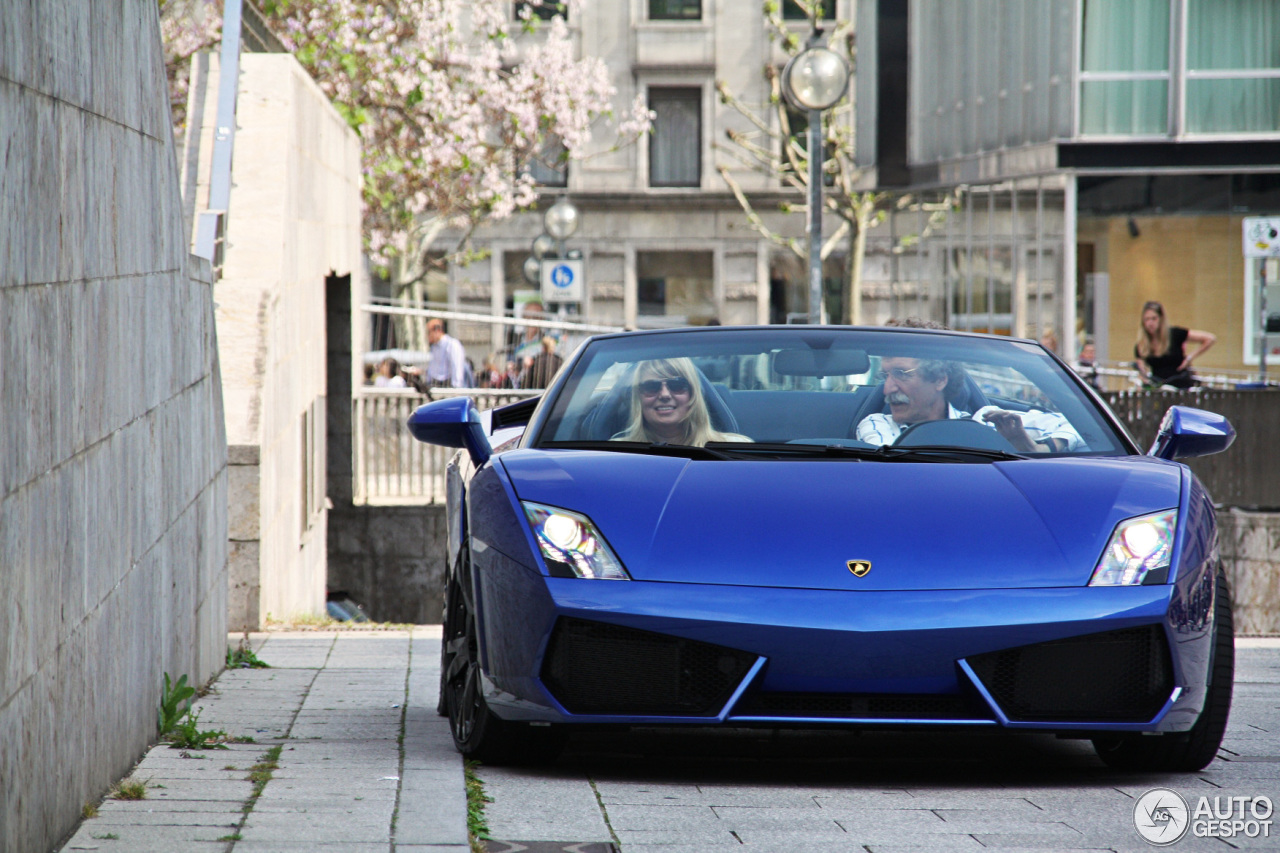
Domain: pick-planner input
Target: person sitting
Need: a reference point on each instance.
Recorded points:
(667, 406)
(919, 390)
(389, 374)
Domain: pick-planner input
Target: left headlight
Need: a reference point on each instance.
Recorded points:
(1138, 547)
(571, 544)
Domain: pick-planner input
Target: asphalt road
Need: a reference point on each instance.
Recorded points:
(807, 792)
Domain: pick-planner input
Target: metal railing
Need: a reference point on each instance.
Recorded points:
(391, 466)
(1120, 376)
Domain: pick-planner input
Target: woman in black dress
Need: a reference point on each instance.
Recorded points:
(1161, 349)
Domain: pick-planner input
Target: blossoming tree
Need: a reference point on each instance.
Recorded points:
(452, 99)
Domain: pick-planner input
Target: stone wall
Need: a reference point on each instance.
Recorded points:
(1250, 546)
(113, 514)
(294, 219)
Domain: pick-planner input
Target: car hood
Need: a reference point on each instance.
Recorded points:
(797, 524)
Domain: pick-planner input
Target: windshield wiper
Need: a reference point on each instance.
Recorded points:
(655, 449)
(948, 453)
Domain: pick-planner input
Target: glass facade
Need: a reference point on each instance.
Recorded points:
(1221, 56)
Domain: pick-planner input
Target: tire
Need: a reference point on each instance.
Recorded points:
(478, 733)
(1186, 752)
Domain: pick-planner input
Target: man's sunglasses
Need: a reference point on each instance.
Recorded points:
(653, 387)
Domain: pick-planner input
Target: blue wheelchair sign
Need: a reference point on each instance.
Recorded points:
(562, 276)
(562, 280)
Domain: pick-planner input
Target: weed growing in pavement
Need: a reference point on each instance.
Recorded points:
(175, 703)
(477, 827)
(89, 811)
(107, 836)
(187, 735)
(235, 836)
(260, 773)
(241, 739)
(244, 657)
(129, 789)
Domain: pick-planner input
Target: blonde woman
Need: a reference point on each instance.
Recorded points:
(667, 406)
(1161, 349)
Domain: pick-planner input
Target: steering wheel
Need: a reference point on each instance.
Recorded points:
(960, 432)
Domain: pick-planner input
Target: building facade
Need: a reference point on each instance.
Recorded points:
(664, 241)
(1104, 153)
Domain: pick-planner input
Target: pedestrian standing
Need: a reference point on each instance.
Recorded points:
(1161, 353)
(540, 370)
(448, 364)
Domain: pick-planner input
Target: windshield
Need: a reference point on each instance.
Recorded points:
(751, 391)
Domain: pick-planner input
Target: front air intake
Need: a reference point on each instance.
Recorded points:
(1114, 676)
(598, 668)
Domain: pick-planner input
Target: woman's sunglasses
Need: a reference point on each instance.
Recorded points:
(653, 387)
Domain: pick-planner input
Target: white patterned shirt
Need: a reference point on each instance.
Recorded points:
(879, 428)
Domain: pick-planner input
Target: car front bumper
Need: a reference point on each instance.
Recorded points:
(642, 653)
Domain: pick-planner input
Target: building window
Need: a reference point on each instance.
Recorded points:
(1252, 319)
(791, 10)
(311, 444)
(545, 11)
(675, 288)
(1233, 67)
(675, 145)
(1227, 61)
(675, 10)
(1124, 69)
(551, 167)
(798, 125)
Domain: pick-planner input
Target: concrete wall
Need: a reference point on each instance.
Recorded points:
(1250, 545)
(391, 560)
(294, 218)
(113, 520)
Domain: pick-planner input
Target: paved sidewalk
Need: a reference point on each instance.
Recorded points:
(365, 764)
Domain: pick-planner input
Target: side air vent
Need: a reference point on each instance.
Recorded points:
(516, 414)
(1114, 676)
(597, 668)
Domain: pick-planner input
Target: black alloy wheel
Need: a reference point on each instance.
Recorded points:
(478, 733)
(1188, 751)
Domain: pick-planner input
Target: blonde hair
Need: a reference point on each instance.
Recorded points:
(1157, 344)
(697, 427)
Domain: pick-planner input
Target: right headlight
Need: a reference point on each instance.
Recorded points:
(571, 544)
(1138, 547)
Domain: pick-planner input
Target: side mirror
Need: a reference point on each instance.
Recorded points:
(454, 422)
(1186, 432)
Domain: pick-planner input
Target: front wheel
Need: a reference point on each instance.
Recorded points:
(478, 733)
(1192, 750)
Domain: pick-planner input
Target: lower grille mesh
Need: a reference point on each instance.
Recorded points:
(859, 706)
(1114, 676)
(597, 668)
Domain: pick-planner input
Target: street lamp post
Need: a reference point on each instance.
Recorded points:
(815, 80)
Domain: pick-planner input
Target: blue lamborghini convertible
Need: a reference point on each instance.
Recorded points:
(794, 526)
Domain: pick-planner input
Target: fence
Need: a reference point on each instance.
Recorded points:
(391, 466)
(1244, 476)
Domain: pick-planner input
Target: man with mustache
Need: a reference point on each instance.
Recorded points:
(919, 390)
